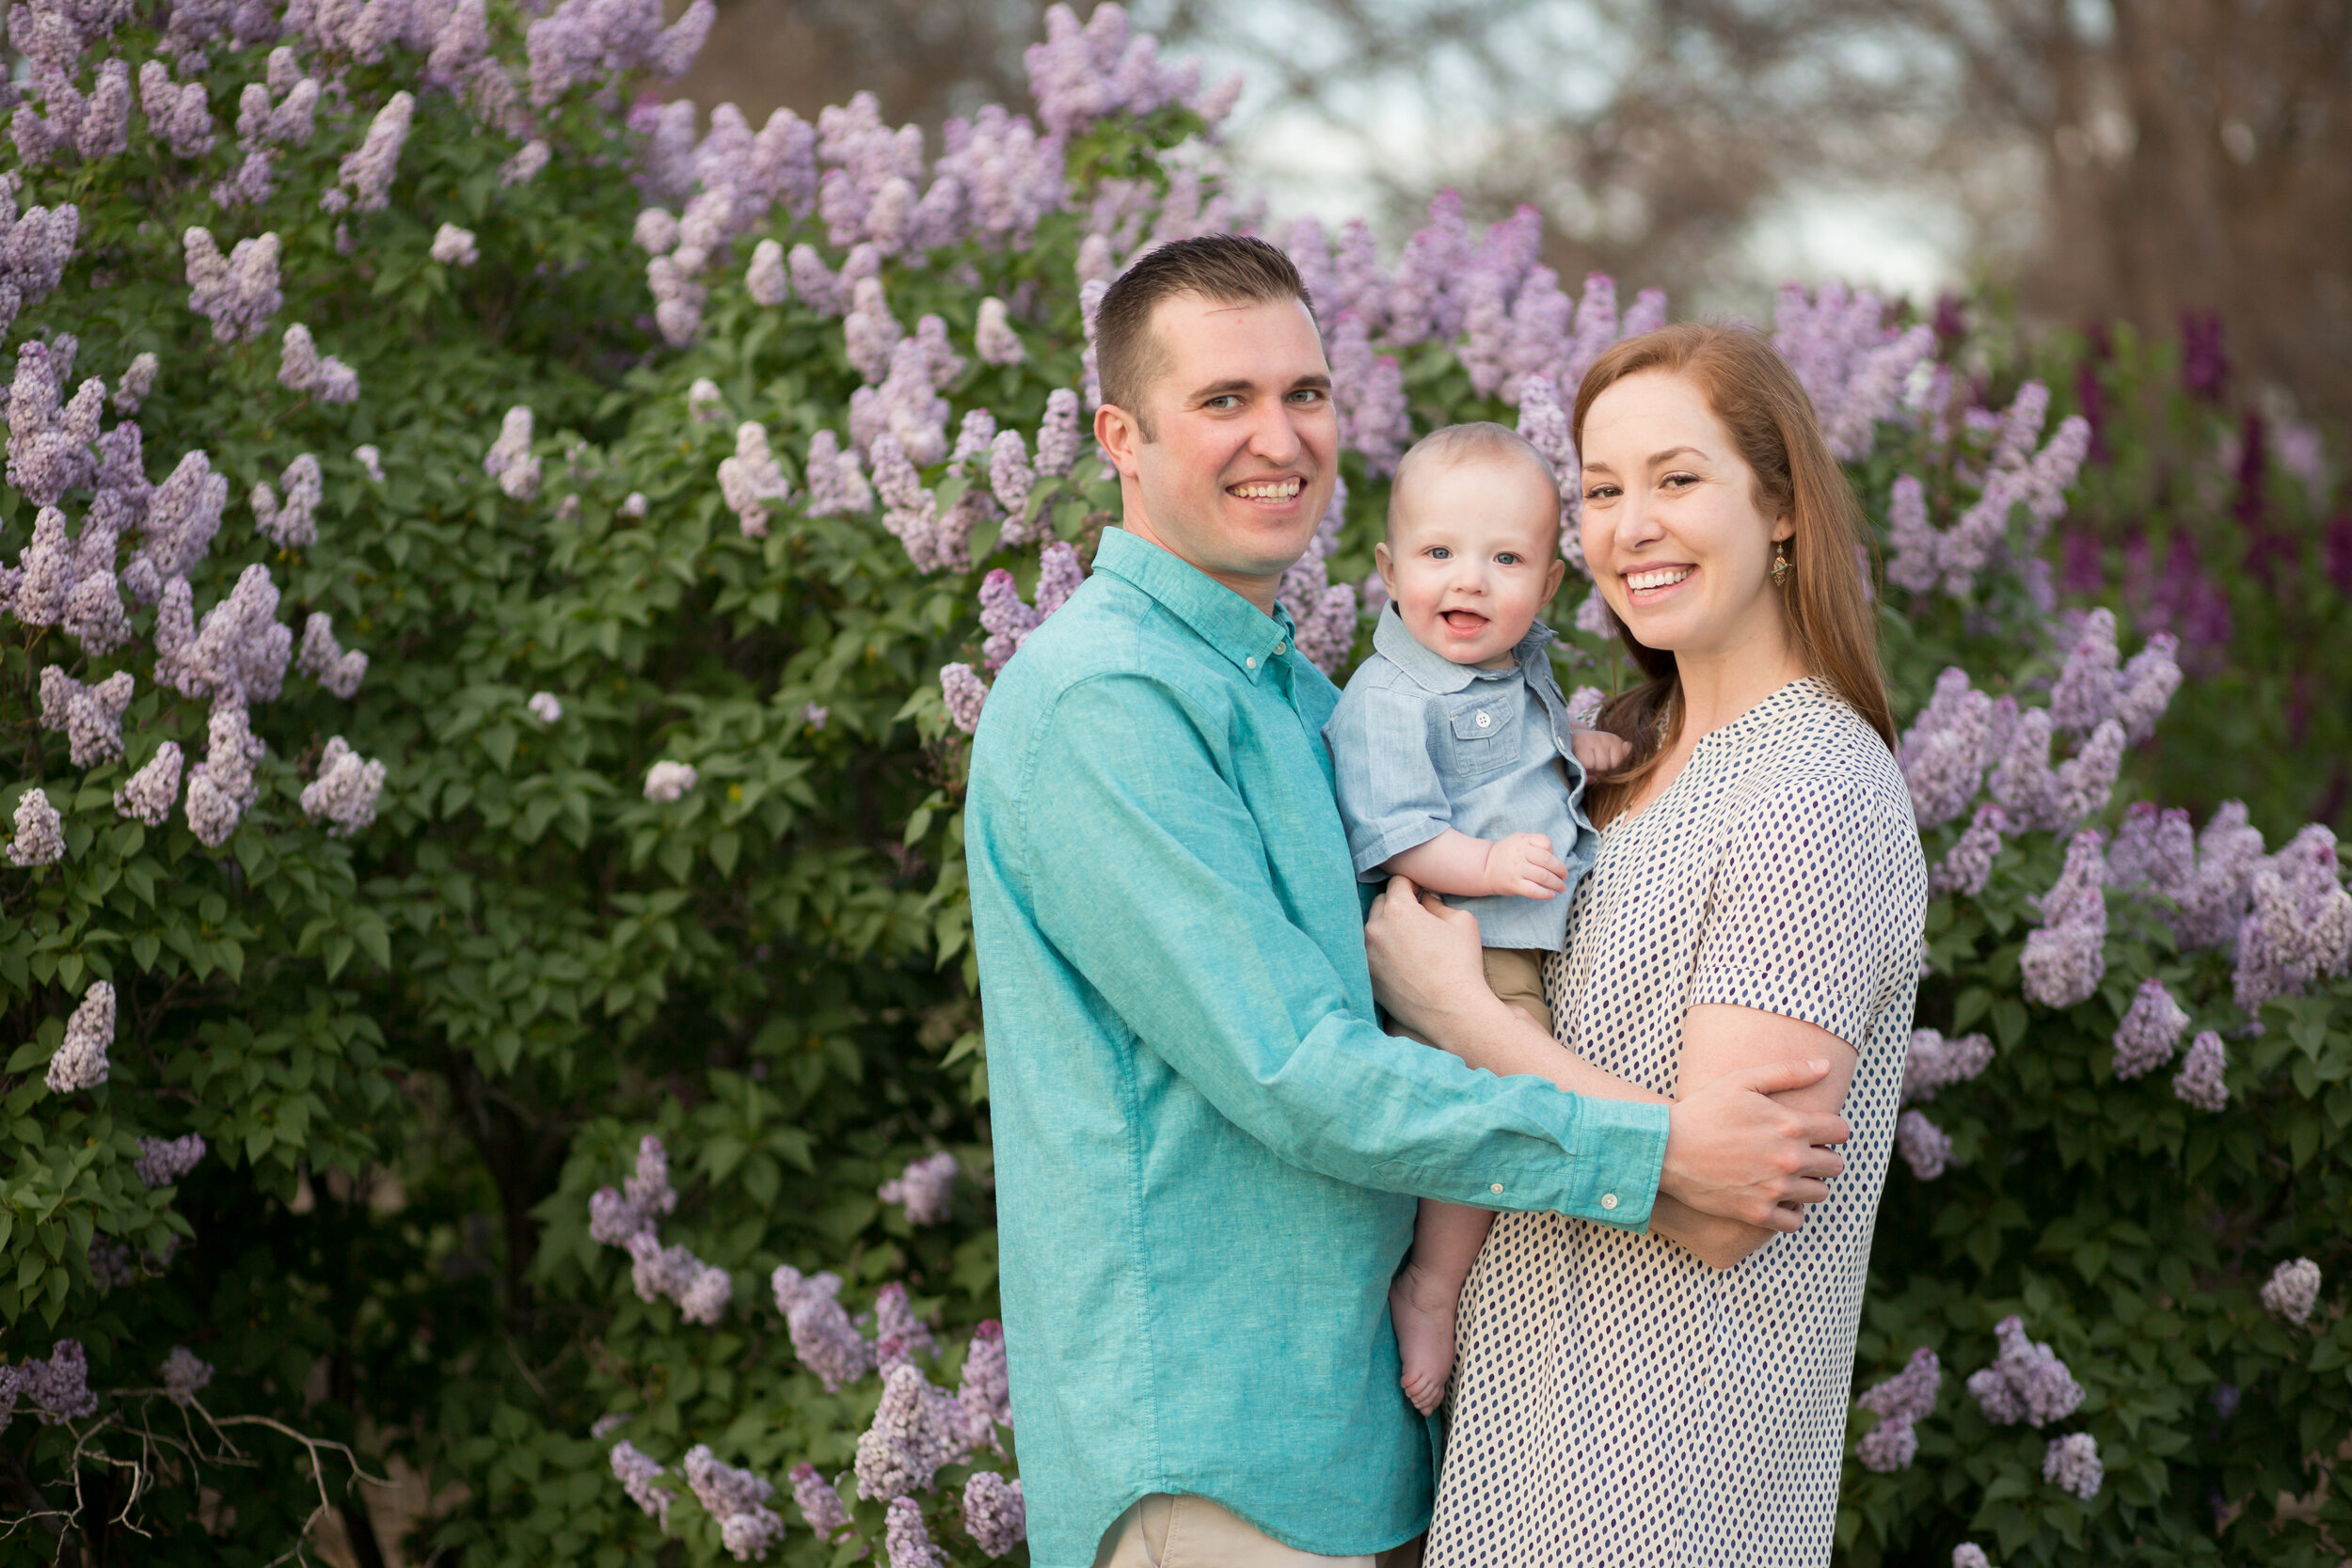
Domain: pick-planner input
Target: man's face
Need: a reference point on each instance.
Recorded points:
(1244, 446)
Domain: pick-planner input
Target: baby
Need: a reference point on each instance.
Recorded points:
(1456, 765)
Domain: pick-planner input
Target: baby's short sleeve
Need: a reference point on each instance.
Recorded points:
(1390, 794)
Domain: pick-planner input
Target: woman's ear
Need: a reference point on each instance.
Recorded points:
(1784, 527)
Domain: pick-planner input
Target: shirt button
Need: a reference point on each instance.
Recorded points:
(1277, 650)
(1484, 720)
(1494, 1186)
(1249, 664)
(1608, 1200)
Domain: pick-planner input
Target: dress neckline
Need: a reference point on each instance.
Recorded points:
(1816, 688)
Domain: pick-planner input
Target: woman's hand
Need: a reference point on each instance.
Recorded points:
(1427, 961)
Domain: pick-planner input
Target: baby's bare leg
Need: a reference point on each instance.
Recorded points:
(1446, 1239)
(1447, 1236)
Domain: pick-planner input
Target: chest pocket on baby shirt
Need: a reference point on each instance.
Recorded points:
(1486, 734)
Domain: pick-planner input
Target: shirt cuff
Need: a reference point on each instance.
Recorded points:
(1619, 1154)
(1394, 842)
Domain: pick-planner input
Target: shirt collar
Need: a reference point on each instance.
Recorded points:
(1222, 618)
(1433, 670)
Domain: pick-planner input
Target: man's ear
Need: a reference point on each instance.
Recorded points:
(1121, 435)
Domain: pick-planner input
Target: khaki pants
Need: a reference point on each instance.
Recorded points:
(1516, 977)
(1164, 1532)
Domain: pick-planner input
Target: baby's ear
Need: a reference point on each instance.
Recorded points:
(1552, 580)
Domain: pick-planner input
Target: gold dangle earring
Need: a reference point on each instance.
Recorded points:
(1780, 564)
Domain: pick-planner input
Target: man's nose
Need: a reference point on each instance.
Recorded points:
(1272, 436)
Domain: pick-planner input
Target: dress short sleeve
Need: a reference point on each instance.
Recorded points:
(1807, 904)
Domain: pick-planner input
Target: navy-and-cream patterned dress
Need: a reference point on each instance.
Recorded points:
(1616, 1401)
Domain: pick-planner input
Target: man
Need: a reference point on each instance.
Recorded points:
(1207, 1150)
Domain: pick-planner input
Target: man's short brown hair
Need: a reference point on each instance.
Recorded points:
(1228, 269)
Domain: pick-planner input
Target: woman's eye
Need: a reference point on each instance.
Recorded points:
(1680, 481)
(1601, 492)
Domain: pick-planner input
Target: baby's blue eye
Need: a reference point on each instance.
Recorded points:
(1508, 558)
(1438, 552)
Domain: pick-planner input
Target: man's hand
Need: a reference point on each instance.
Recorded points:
(1734, 1152)
(1427, 964)
(1523, 866)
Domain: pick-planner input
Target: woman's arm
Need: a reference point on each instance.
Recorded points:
(1734, 1154)
(1719, 1040)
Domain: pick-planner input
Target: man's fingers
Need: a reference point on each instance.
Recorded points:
(1402, 887)
(1778, 1077)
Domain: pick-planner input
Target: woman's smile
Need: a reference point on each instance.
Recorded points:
(1654, 584)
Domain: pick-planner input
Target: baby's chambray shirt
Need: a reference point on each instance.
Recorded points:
(1421, 744)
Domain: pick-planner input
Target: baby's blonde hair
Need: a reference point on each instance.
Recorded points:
(1459, 443)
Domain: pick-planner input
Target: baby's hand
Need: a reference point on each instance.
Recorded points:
(1523, 866)
(1599, 750)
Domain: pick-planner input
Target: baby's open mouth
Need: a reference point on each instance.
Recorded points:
(1464, 622)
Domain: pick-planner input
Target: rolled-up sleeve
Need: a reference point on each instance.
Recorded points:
(1166, 907)
(1389, 795)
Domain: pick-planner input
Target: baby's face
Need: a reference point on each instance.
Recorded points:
(1473, 556)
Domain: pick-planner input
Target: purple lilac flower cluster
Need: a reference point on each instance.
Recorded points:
(2065, 958)
(291, 524)
(237, 293)
(39, 838)
(302, 368)
(1007, 621)
(327, 661)
(1322, 612)
(820, 1504)
(737, 1500)
(752, 480)
(344, 794)
(1081, 74)
(165, 1161)
(1926, 1147)
(58, 1387)
(2300, 926)
(80, 1062)
(2014, 475)
(907, 1539)
(1900, 1402)
(926, 1187)
(1850, 361)
(2072, 1464)
(995, 1513)
(2202, 1080)
(184, 1375)
(1935, 1064)
(822, 1334)
(629, 1218)
(2151, 1031)
(91, 716)
(2026, 1383)
(636, 1472)
(2293, 1291)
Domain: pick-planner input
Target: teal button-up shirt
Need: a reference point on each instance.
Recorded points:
(1206, 1147)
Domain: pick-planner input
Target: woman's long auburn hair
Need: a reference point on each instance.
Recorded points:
(1828, 598)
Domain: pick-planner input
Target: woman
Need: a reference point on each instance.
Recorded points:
(1631, 1398)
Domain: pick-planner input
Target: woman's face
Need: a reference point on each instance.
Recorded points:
(1670, 526)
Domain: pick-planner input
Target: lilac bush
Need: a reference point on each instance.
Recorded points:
(498, 572)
